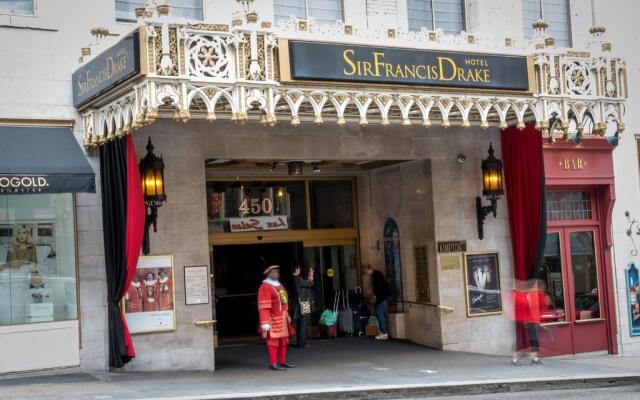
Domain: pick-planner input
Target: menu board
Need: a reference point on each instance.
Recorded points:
(196, 284)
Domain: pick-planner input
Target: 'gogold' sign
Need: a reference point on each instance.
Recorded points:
(384, 65)
(108, 69)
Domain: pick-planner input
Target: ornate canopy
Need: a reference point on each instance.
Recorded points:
(214, 71)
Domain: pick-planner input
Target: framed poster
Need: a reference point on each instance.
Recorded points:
(633, 293)
(37, 240)
(196, 285)
(149, 304)
(483, 291)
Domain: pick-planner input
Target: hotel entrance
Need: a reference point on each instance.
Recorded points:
(253, 223)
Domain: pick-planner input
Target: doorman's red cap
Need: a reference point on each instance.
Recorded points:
(269, 268)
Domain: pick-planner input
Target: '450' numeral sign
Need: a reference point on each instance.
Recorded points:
(256, 206)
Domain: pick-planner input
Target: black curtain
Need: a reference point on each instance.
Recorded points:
(113, 175)
(536, 269)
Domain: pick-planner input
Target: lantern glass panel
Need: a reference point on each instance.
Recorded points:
(150, 183)
(159, 183)
(486, 181)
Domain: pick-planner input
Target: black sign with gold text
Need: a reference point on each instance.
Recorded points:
(384, 65)
(106, 70)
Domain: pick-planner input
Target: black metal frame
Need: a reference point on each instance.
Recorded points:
(151, 202)
(482, 212)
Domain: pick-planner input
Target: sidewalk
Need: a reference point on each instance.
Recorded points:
(340, 368)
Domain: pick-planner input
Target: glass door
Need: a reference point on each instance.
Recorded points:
(583, 265)
(335, 269)
(571, 314)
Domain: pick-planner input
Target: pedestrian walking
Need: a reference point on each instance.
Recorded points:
(381, 295)
(528, 298)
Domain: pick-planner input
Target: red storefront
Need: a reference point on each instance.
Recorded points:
(577, 268)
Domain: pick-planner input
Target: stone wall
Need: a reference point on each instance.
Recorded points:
(455, 186)
(182, 231)
(404, 193)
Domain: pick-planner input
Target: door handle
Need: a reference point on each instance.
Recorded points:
(205, 324)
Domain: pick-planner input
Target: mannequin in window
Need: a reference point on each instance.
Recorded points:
(22, 251)
(165, 292)
(150, 292)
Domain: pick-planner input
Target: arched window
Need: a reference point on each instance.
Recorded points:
(393, 264)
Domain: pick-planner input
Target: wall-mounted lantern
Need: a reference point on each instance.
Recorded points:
(152, 175)
(491, 189)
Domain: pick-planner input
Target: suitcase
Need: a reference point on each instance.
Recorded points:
(345, 316)
(363, 318)
(356, 321)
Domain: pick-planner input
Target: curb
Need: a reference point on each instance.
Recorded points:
(440, 389)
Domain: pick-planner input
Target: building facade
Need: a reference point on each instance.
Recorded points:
(271, 154)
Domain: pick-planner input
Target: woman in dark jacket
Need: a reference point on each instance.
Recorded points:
(301, 306)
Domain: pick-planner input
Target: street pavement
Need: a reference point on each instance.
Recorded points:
(343, 368)
(631, 392)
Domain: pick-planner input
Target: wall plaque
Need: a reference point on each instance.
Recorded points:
(315, 61)
(452, 246)
(450, 263)
(196, 285)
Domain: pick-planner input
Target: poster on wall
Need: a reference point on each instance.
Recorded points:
(29, 243)
(482, 283)
(633, 297)
(149, 304)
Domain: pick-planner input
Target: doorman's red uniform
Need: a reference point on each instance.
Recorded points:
(273, 308)
(165, 294)
(133, 298)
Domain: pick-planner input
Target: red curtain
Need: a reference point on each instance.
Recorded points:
(523, 167)
(136, 213)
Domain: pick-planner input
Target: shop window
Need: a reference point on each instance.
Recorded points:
(553, 12)
(21, 7)
(585, 275)
(447, 15)
(189, 9)
(552, 309)
(37, 258)
(323, 11)
(569, 206)
(331, 204)
(255, 205)
(393, 265)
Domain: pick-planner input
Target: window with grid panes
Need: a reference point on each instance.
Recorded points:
(447, 15)
(569, 206)
(323, 11)
(189, 9)
(24, 7)
(553, 12)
